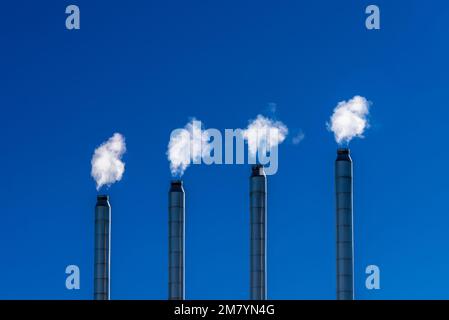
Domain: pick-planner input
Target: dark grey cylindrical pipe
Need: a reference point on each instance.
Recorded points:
(344, 219)
(102, 248)
(258, 230)
(176, 241)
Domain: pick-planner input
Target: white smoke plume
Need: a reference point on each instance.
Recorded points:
(349, 119)
(107, 166)
(263, 134)
(186, 146)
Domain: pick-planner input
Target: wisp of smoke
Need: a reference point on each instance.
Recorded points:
(186, 146)
(298, 138)
(263, 134)
(349, 119)
(107, 166)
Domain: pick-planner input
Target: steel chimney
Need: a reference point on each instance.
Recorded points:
(258, 231)
(176, 240)
(344, 219)
(102, 257)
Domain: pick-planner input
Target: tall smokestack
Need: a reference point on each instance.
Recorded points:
(345, 241)
(176, 241)
(102, 248)
(258, 243)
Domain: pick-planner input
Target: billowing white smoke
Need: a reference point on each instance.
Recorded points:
(186, 146)
(349, 119)
(107, 166)
(263, 133)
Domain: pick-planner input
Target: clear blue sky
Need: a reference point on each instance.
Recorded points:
(143, 68)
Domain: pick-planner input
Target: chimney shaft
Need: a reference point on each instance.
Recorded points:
(344, 219)
(258, 230)
(176, 241)
(102, 248)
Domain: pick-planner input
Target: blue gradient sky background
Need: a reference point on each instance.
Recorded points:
(143, 68)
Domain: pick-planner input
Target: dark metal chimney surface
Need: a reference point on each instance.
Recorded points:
(102, 248)
(258, 231)
(344, 225)
(176, 240)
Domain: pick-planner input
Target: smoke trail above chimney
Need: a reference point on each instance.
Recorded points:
(186, 146)
(107, 165)
(349, 120)
(195, 145)
(264, 133)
